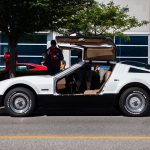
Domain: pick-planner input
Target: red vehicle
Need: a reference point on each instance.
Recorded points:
(22, 66)
(30, 67)
(27, 67)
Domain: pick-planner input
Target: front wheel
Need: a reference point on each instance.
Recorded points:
(134, 102)
(19, 102)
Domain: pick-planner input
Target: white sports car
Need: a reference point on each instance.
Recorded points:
(126, 85)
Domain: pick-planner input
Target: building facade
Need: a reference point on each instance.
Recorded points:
(137, 49)
(30, 49)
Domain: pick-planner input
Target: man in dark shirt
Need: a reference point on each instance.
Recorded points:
(54, 57)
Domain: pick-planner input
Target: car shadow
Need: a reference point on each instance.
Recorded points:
(3, 112)
(79, 111)
(76, 112)
(110, 111)
(70, 112)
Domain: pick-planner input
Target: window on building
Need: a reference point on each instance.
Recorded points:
(29, 48)
(134, 49)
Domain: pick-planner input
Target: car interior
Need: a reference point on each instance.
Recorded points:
(98, 51)
(68, 84)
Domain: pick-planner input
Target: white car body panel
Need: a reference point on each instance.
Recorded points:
(121, 77)
(45, 84)
(41, 84)
(36, 82)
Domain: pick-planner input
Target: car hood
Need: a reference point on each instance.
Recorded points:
(37, 83)
(26, 79)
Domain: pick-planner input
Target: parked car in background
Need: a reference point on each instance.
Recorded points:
(30, 67)
(2, 68)
(27, 67)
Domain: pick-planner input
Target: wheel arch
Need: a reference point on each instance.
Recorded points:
(133, 84)
(18, 85)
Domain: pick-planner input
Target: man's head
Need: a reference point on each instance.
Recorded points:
(53, 43)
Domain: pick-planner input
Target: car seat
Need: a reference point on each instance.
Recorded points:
(96, 91)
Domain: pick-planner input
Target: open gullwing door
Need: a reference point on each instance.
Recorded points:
(94, 48)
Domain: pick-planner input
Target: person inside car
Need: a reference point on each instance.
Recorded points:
(84, 72)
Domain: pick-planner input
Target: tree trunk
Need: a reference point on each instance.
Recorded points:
(12, 48)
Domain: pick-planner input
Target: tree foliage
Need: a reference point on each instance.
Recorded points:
(100, 18)
(19, 17)
(86, 17)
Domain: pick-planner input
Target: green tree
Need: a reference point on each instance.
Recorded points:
(19, 17)
(99, 18)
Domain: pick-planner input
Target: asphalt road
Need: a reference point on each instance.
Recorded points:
(74, 129)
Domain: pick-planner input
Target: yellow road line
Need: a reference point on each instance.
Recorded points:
(77, 137)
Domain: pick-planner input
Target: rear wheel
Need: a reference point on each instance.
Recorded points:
(19, 102)
(134, 102)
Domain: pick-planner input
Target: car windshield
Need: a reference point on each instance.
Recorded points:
(136, 63)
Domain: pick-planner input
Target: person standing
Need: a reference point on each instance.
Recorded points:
(102, 69)
(54, 57)
(7, 61)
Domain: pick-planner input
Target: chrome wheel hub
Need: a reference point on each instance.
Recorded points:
(19, 102)
(135, 103)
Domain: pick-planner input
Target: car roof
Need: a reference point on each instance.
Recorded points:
(136, 64)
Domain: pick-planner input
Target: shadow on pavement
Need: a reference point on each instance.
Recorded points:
(3, 112)
(70, 112)
(77, 112)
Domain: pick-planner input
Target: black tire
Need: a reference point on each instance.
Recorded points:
(19, 102)
(134, 102)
